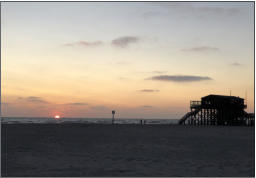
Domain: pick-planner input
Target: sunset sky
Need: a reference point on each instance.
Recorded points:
(145, 60)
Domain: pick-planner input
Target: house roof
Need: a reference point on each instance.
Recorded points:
(222, 97)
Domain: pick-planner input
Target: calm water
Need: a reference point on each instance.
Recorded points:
(14, 120)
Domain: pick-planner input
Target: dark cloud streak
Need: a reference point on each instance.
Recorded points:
(33, 99)
(85, 44)
(148, 90)
(235, 64)
(125, 41)
(179, 78)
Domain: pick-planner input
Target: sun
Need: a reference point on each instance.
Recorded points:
(57, 117)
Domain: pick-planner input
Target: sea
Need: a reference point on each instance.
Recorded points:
(47, 120)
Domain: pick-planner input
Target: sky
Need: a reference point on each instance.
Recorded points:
(142, 59)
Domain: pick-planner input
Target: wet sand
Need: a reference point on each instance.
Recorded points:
(126, 150)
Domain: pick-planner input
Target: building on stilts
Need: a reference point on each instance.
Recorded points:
(218, 110)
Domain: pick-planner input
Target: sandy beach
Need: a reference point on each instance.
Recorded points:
(126, 150)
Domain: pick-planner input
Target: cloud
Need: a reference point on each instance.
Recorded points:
(147, 106)
(33, 99)
(179, 78)
(148, 90)
(201, 49)
(235, 64)
(77, 104)
(125, 41)
(85, 44)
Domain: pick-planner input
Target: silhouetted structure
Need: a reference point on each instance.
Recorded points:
(113, 116)
(218, 110)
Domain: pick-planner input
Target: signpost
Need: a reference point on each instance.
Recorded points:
(113, 116)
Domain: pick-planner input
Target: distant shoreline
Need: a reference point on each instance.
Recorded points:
(4, 117)
(89, 120)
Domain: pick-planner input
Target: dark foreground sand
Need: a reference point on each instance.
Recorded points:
(126, 150)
